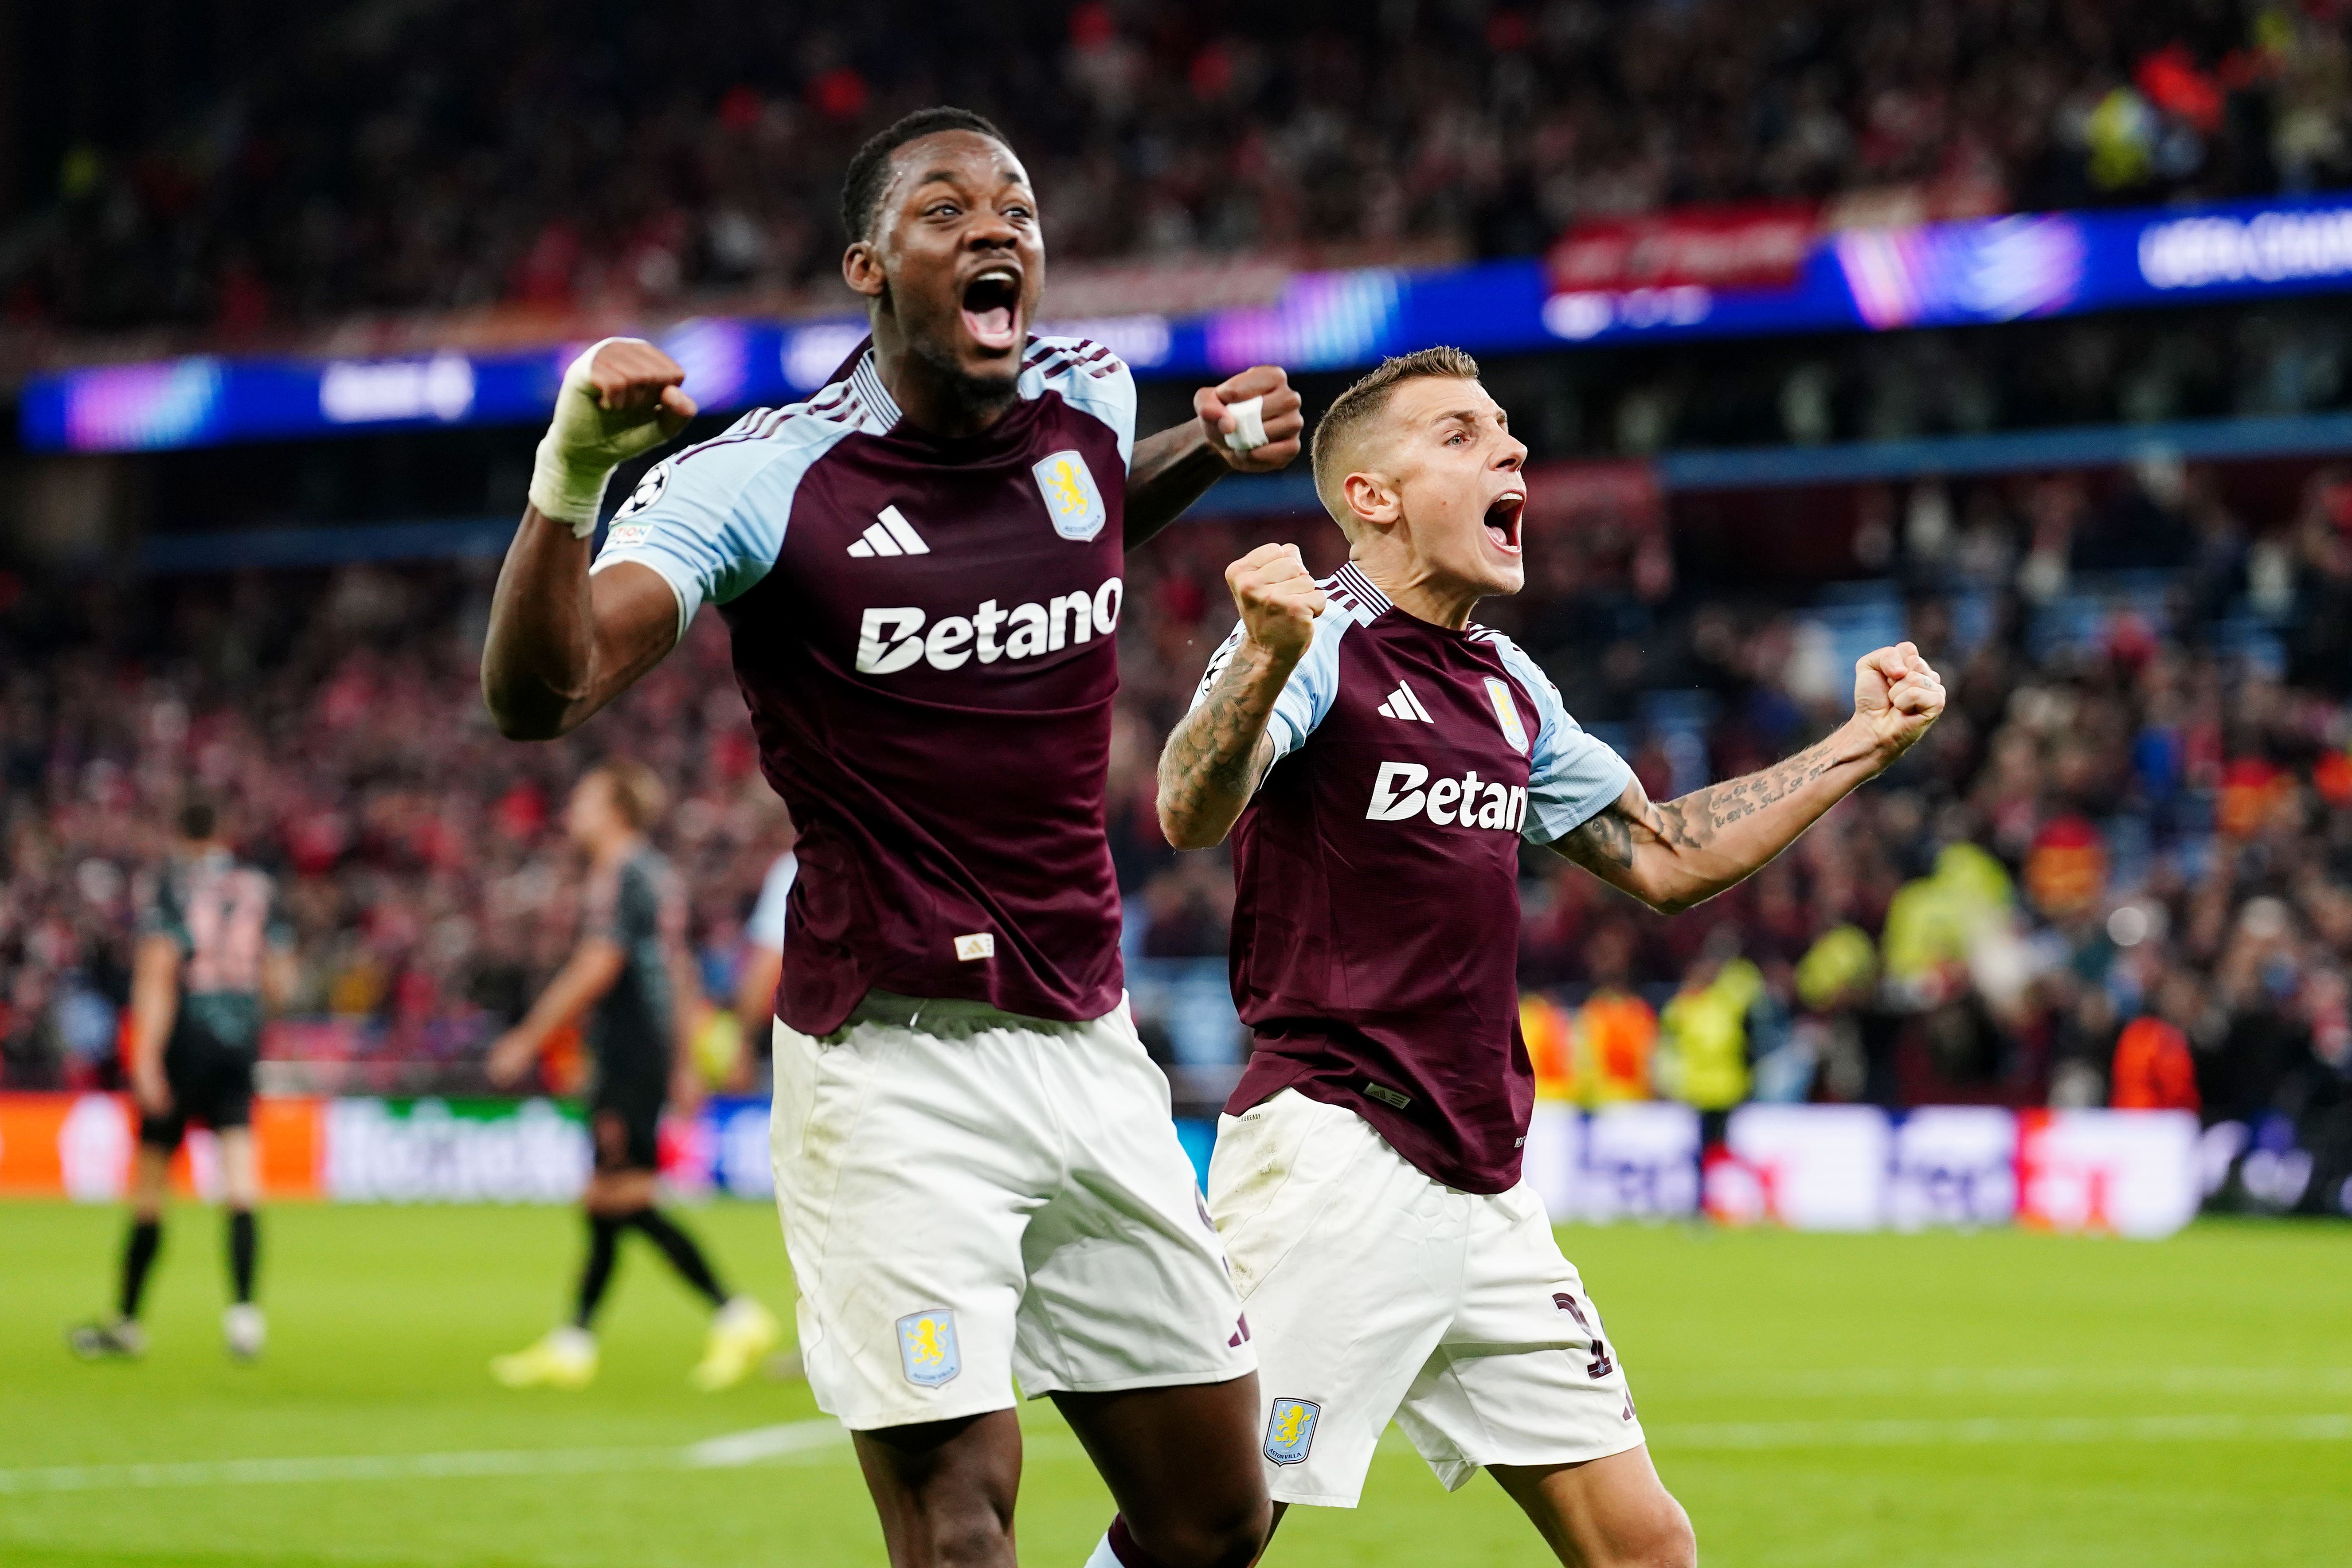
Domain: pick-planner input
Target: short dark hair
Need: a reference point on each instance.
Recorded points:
(869, 168)
(1356, 407)
(198, 817)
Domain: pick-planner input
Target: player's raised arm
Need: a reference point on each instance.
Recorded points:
(1248, 424)
(1216, 755)
(560, 644)
(1684, 851)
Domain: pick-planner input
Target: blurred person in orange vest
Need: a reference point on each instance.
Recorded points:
(2154, 1070)
(1615, 1031)
(1548, 1029)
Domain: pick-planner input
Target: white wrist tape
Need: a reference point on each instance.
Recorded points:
(583, 446)
(566, 492)
(1248, 433)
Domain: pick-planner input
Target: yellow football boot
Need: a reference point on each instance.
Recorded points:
(742, 1333)
(565, 1358)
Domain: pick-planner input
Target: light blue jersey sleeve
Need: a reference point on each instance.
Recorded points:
(1090, 379)
(1571, 777)
(1307, 695)
(710, 519)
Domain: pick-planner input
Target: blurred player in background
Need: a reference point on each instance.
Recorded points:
(629, 976)
(212, 957)
(1380, 758)
(763, 964)
(921, 569)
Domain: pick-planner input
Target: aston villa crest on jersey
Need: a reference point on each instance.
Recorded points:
(1071, 499)
(1508, 713)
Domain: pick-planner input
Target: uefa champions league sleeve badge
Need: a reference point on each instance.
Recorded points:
(1290, 1430)
(926, 1347)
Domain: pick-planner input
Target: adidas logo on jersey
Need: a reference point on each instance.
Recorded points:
(893, 535)
(1398, 795)
(1403, 704)
(892, 639)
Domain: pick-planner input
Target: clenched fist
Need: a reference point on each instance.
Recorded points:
(1277, 411)
(1897, 695)
(1277, 598)
(622, 398)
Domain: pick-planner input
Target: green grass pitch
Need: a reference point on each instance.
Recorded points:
(1934, 1400)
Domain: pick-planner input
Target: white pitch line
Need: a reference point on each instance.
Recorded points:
(2018, 1430)
(766, 1443)
(1840, 1381)
(800, 1442)
(797, 1441)
(1763, 1436)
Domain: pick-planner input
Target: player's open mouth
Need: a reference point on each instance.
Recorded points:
(992, 304)
(1502, 523)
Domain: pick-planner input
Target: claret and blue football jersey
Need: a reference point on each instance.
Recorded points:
(1377, 910)
(925, 631)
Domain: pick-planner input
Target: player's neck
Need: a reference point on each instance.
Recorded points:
(613, 850)
(935, 397)
(1413, 588)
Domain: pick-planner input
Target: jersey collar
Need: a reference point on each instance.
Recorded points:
(1362, 589)
(865, 380)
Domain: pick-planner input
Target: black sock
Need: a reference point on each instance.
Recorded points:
(138, 1257)
(244, 1253)
(603, 1242)
(683, 1255)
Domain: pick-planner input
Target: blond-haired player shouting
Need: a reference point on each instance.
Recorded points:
(1378, 758)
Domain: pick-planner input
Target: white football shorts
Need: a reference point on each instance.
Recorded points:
(970, 1199)
(1372, 1292)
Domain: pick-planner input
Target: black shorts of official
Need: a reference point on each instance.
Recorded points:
(624, 1125)
(212, 1084)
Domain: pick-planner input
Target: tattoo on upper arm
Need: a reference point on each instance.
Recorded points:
(1604, 839)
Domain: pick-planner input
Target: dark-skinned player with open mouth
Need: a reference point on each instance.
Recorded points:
(921, 568)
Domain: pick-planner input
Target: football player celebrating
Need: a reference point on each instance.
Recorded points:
(1378, 758)
(921, 568)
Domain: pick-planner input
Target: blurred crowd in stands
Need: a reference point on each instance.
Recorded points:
(2118, 872)
(441, 155)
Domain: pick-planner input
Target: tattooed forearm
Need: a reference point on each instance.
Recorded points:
(1216, 754)
(1677, 853)
(1676, 828)
(1718, 807)
(1213, 746)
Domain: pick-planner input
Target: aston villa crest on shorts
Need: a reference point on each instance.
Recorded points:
(1508, 712)
(1290, 1430)
(927, 1346)
(1071, 499)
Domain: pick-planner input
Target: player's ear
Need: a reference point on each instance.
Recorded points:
(861, 268)
(1372, 500)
